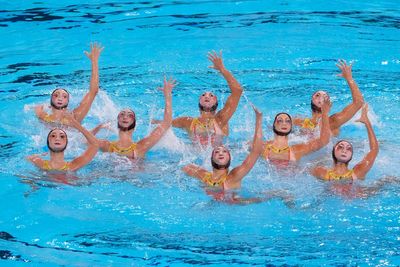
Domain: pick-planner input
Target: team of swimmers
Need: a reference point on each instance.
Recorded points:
(209, 129)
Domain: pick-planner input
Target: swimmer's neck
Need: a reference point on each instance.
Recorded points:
(218, 173)
(57, 157)
(316, 116)
(58, 113)
(207, 115)
(125, 137)
(280, 141)
(340, 168)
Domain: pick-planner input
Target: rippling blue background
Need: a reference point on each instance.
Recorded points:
(281, 51)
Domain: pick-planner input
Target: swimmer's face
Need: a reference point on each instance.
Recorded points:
(319, 97)
(126, 118)
(221, 155)
(343, 152)
(60, 98)
(283, 123)
(57, 140)
(208, 100)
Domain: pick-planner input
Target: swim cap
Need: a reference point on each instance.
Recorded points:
(280, 133)
(48, 143)
(51, 99)
(335, 160)
(133, 124)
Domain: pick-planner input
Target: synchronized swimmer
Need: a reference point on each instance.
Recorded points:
(209, 129)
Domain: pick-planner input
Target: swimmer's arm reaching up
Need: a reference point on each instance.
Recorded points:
(149, 141)
(303, 149)
(340, 118)
(224, 115)
(81, 111)
(91, 150)
(362, 168)
(239, 172)
(194, 171)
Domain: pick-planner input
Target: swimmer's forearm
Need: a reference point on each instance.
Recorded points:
(168, 109)
(233, 84)
(355, 91)
(94, 80)
(325, 129)
(373, 142)
(88, 135)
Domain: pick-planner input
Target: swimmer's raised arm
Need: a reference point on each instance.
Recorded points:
(237, 174)
(81, 111)
(362, 168)
(149, 141)
(105, 125)
(91, 150)
(340, 118)
(303, 149)
(232, 102)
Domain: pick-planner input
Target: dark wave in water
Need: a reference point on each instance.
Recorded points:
(74, 16)
(224, 249)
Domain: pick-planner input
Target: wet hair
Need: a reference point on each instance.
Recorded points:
(48, 143)
(218, 166)
(51, 99)
(133, 124)
(212, 109)
(279, 132)
(335, 160)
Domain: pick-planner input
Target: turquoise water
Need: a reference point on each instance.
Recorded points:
(123, 215)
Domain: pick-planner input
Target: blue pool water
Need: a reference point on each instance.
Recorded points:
(121, 215)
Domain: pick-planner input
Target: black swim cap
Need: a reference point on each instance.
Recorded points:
(335, 160)
(48, 143)
(51, 99)
(130, 127)
(279, 132)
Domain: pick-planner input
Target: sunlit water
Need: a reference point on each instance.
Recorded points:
(115, 213)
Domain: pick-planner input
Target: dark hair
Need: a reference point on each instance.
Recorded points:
(48, 143)
(279, 132)
(130, 127)
(333, 152)
(51, 99)
(218, 166)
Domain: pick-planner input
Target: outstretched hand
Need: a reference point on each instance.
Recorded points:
(95, 51)
(346, 69)
(258, 113)
(216, 59)
(168, 85)
(364, 115)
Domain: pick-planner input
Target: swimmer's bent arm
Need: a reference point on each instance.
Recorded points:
(81, 111)
(303, 149)
(319, 172)
(362, 168)
(40, 113)
(182, 122)
(298, 121)
(340, 118)
(194, 171)
(36, 160)
(88, 155)
(224, 115)
(238, 173)
(149, 141)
